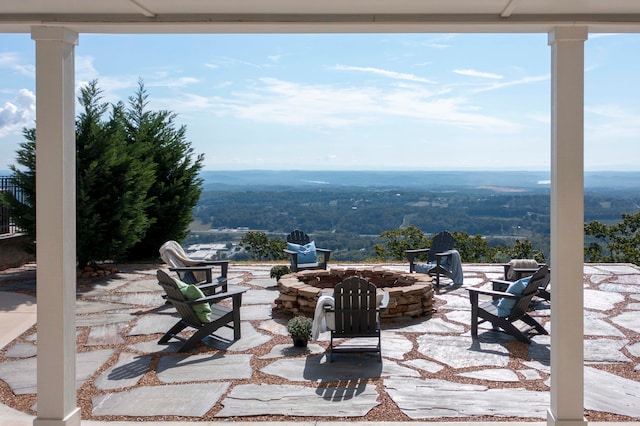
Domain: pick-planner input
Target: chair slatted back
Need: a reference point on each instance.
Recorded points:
(441, 242)
(355, 308)
(522, 304)
(298, 237)
(175, 296)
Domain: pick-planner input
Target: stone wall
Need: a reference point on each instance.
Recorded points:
(410, 295)
(12, 253)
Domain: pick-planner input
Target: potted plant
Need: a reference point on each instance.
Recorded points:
(278, 271)
(299, 329)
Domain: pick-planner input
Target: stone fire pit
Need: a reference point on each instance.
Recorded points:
(410, 295)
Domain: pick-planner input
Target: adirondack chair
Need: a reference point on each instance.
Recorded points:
(194, 271)
(508, 306)
(304, 253)
(442, 259)
(520, 268)
(356, 315)
(203, 313)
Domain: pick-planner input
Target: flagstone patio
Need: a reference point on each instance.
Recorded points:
(432, 369)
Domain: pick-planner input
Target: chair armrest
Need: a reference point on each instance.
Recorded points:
(411, 255)
(493, 293)
(445, 253)
(220, 282)
(417, 251)
(205, 269)
(231, 292)
(223, 264)
(326, 254)
(501, 285)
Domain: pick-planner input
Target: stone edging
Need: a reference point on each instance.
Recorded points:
(410, 295)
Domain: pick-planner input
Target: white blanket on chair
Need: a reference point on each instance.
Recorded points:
(173, 255)
(320, 321)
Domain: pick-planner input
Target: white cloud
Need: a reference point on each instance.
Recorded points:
(385, 73)
(540, 118)
(18, 113)
(174, 82)
(328, 106)
(474, 73)
(525, 80)
(438, 42)
(14, 62)
(612, 125)
(229, 61)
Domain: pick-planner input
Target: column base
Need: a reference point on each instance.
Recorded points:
(552, 421)
(72, 419)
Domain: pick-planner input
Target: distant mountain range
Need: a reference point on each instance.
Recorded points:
(437, 180)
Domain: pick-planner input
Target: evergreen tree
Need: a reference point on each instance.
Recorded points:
(176, 188)
(24, 212)
(134, 171)
(113, 180)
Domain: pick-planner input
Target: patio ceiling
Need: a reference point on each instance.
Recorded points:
(218, 16)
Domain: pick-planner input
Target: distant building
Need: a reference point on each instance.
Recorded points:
(206, 251)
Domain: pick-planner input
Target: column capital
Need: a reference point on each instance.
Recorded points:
(42, 32)
(568, 34)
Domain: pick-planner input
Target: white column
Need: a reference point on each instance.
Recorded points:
(567, 226)
(56, 226)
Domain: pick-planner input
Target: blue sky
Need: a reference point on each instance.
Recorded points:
(351, 101)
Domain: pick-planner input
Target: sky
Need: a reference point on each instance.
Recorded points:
(351, 101)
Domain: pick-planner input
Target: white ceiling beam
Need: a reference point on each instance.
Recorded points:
(318, 23)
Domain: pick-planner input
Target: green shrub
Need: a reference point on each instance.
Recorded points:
(299, 328)
(278, 271)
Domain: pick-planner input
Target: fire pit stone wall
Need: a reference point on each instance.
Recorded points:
(410, 295)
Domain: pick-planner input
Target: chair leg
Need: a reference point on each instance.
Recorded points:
(236, 303)
(534, 324)
(173, 331)
(331, 349)
(473, 297)
(514, 331)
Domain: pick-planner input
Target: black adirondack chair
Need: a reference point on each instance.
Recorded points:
(441, 248)
(357, 315)
(300, 238)
(489, 311)
(221, 316)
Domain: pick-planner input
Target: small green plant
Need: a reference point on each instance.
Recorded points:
(299, 329)
(278, 271)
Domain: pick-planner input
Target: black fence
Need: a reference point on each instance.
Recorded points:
(7, 225)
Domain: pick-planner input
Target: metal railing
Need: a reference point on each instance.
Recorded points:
(7, 224)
